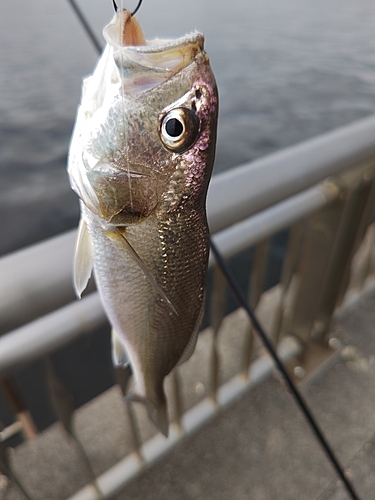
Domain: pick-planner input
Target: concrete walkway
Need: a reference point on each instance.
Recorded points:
(262, 448)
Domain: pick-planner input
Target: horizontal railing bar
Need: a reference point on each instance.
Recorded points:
(45, 334)
(117, 477)
(29, 342)
(11, 431)
(246, 233)
(240, 192)
(37, 279)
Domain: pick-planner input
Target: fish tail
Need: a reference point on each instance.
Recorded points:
(156, 411)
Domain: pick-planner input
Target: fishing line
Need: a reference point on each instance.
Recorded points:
(125, 131)
(241, 299)
(86, 26)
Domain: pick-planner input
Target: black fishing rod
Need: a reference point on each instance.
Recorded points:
(86, 26)
(241, 299)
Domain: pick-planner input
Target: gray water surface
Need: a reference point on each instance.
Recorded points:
(286, 70)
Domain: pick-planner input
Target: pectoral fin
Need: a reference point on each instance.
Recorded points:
(83, 259)
(147, 272)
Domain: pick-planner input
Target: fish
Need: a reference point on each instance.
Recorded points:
(140, 161)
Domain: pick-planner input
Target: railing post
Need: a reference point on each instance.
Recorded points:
(217, 313)
(333, 235)
(296, 234)
(352, 228)
(255, 290)
(315, 253)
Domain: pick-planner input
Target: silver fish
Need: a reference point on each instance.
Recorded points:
(140, 161)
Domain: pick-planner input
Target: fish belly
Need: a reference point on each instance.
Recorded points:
(175, 252)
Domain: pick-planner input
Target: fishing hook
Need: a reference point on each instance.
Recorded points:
(134, 12)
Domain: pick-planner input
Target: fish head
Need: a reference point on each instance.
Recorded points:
(145, 134)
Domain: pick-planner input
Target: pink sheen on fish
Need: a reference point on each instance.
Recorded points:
(140, 161)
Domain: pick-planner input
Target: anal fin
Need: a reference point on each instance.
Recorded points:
(120, 357)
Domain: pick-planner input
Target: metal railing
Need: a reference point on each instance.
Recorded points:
(321, 189)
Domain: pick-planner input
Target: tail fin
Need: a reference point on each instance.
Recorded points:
(156, 411)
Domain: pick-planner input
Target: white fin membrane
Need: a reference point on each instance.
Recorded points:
(119, 355)
(83, 259)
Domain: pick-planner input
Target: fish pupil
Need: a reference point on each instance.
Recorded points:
(174, 127)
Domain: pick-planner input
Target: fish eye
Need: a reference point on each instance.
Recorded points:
(179, 129)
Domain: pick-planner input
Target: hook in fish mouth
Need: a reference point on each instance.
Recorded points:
(134, 11)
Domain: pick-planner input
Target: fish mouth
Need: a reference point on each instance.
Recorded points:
(144, 64)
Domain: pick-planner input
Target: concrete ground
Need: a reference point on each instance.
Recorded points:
(261, 448)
